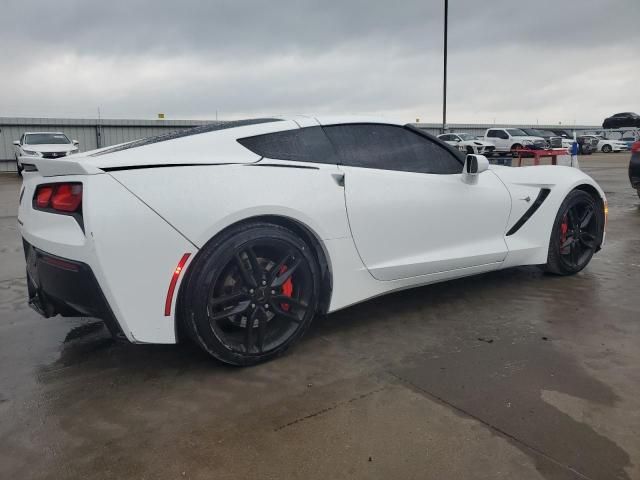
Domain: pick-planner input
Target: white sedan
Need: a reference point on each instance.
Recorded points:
(42, 145)
(239, 234)
(607, 145)
(465, 142)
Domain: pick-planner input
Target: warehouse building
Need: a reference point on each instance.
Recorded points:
(98, 133)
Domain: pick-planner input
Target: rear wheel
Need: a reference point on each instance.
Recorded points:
(251, 293)
(576, 234)
(515, 149)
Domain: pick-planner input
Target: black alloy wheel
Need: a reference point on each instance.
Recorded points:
(576, 235)
(252, 294)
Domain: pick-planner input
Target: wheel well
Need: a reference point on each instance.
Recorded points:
(311, 239)
(591, 190)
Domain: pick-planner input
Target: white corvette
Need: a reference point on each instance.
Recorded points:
(465, 142)
(238, 234)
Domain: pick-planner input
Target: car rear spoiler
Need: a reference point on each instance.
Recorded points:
(49, 167)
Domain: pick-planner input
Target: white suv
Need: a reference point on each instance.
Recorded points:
(42, 145)
(512, 139)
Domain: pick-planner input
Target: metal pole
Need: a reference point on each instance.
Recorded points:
(444, 85)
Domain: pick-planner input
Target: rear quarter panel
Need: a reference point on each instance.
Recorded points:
(200, 201)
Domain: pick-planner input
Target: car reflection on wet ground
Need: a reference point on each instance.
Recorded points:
(513, 374)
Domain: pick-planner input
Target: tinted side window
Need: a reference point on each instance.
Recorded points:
(391, 147)
(492, 134)
(308, 144)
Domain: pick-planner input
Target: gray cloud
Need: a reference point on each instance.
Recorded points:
(509, 60)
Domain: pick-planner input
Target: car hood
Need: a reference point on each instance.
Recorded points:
(530, 138)
(50, 147)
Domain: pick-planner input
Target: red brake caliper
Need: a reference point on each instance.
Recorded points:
(287, 288)
(564, 227)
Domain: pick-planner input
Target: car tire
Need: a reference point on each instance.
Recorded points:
(607, 149)
(470, 150)
(236, 303)
(18, 168)
(515, 149)
(570, 253)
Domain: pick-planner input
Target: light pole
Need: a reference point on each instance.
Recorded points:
(444, 84)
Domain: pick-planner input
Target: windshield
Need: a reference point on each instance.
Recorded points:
(465, 136)
(537, 133)
(46, 139)
(516, 132)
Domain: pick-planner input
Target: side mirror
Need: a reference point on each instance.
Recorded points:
(16, 143)
(474, 165)
(76, 143)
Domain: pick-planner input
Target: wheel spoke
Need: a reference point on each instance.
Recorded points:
(568, 241)
(255, 266)
(240, 308)
(279, 280)
(248, 333)
(247, 277)
(574, 253)
(289, 301)
(280, 312)
(231, 298)
(587, 244)
(586, 218)
(262, 329)
(276, 270)
(573, 219)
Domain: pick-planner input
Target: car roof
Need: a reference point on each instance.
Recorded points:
(52, 133)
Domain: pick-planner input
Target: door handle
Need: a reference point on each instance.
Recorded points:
(339, 178)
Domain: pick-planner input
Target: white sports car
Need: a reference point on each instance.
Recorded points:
(238, 234)
(465, 142)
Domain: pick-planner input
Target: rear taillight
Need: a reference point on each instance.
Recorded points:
(635, 147)
(59, 197)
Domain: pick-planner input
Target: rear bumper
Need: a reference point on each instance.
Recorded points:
(59, 286)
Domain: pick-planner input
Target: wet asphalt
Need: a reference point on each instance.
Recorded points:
(513, 374)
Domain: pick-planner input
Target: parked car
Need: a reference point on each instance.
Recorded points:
(587, 144)
(512, 139)
(553, 140)
(42, 145)
(634, 167)
(310, 215)
(621, 120)
(607, 145)
(630, 137)
(465, 142)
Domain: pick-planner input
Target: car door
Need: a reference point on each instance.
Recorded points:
(410, 211)
(493, 136)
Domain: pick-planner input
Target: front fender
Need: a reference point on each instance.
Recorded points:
(529, 245)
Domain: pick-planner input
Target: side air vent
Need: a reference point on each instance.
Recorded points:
(544, 192)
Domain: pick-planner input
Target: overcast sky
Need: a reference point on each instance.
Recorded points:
(545, 61)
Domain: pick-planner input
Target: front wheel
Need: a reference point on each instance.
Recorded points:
(606, 149)
(251, 293)
(18, 167)
(576, 234)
